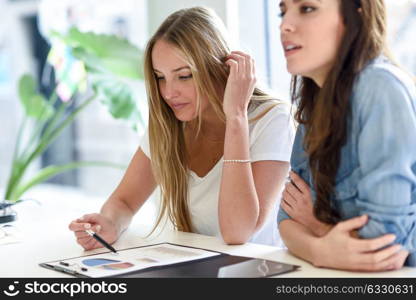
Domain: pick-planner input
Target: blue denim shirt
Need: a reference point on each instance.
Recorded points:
(377, 171)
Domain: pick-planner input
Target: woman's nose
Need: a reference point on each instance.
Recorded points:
(170, 91)
(287, 25)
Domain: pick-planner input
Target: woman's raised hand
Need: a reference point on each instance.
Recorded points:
(240, 84)
(97, 223)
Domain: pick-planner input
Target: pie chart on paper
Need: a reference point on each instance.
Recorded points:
(107, 264)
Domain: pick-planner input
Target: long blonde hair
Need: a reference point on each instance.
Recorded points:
(199, 34)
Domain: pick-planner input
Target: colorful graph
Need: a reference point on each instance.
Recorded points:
(93, 262)
(107, 264)
(119, 266)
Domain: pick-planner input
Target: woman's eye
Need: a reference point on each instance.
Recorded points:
(158, 78)
(185, 77)
(281, 14)
(307, 9)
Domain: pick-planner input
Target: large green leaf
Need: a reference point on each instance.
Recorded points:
(119, 99)
(34, 104)
(98, 51)
(93, 64)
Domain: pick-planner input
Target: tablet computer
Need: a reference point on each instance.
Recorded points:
(256, 268)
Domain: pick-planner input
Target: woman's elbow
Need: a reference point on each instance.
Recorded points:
(235, 238)
(282, 227)
(237, 232)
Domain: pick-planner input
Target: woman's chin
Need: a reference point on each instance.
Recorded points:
(185, 117)
(294, 71)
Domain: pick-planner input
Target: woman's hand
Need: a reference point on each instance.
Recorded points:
(338, 249)
(240, 84)
(297, 203)
(97, 223)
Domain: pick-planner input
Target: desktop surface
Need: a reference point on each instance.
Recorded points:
(45, 237)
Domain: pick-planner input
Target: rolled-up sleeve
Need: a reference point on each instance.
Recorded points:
(387, 157)
(282, 215)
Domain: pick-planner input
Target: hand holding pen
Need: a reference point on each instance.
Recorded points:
(101, 240)
(101, 231)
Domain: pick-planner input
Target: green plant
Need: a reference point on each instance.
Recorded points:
(87, 66)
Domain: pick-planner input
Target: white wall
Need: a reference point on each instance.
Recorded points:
(99, 136)
(158, 10)
(15, 45)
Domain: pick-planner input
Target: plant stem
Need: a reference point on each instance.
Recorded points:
(17, 156)
(23, 163)
(10, 182)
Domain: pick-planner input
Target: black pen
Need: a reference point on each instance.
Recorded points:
(100, 240)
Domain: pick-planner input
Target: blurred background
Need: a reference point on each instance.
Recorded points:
(95, 134)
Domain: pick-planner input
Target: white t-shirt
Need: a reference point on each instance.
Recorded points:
(271, 138)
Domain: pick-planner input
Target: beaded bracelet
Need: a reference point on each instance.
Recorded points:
(236, 160)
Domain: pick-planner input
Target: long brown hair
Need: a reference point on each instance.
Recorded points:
(200, 36)
(325, 111)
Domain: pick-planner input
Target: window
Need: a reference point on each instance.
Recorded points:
(402, 31)
(259, 34)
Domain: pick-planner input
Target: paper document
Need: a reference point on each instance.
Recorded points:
(129, 260)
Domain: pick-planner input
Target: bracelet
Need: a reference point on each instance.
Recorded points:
(236, 160)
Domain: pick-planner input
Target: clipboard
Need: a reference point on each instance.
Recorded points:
(204, 264)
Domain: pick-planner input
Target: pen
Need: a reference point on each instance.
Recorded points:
(100, 240)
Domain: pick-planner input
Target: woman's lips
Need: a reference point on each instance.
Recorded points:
(290, 48)
(177, 106)
(292, 51)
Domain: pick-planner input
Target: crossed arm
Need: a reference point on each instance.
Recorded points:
(332, 246)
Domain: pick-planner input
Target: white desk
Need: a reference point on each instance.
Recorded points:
(46, 238)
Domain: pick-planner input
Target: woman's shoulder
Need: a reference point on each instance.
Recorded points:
(381, 80)
(381, 74)
(260, 109)
(383, 90)
(274, 116)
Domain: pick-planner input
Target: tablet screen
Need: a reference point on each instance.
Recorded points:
(255, 268)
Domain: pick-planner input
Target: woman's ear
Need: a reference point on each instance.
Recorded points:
(360, 10)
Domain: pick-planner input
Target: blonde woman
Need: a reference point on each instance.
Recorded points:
(211, 143)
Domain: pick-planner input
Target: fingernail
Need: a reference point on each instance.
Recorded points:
(98, 228)
(87, 226)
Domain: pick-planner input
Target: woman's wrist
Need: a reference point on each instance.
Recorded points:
(236, 118)
(236, 125)
(117, 221)
(317, 253)
(237, 112)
